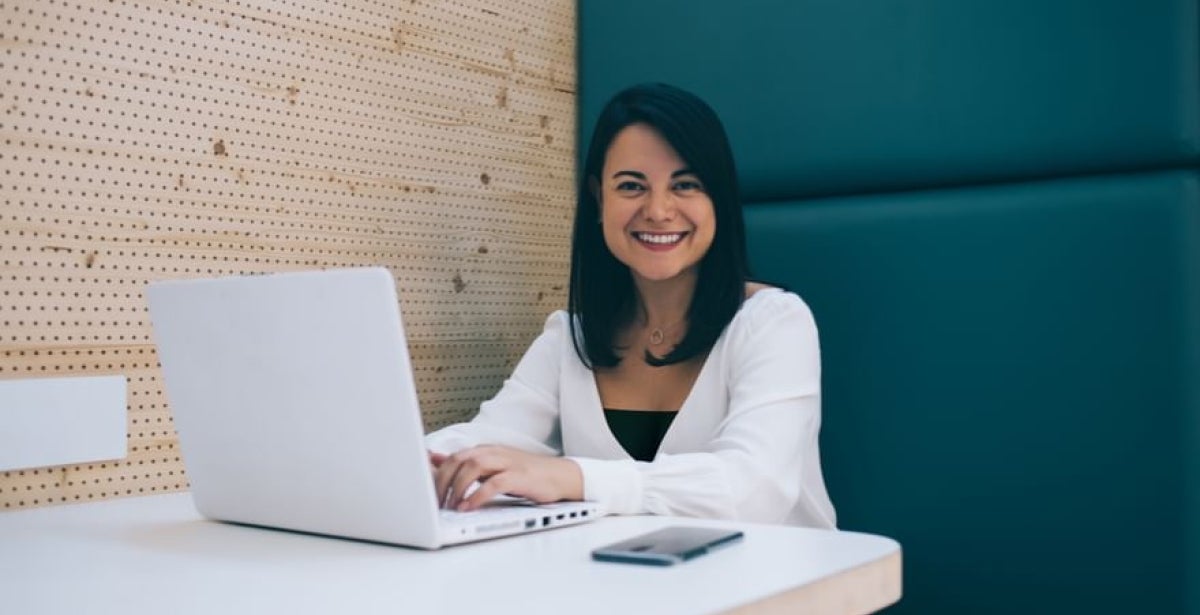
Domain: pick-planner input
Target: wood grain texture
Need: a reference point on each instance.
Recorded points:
(146, 140)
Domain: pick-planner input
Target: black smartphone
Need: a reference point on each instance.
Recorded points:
(668, 546)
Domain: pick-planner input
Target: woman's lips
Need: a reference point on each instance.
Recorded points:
(659, 241)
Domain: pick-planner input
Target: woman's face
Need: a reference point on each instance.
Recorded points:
(657, 218)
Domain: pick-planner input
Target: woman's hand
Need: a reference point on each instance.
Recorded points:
(500, 469)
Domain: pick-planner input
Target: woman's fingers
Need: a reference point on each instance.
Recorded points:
(493, 486)
(456, 473)
(499, 469)
(470, 470)
(443, 478)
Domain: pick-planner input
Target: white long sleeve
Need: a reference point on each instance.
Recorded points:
(743, 446)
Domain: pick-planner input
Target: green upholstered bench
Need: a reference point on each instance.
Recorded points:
(1004, 384)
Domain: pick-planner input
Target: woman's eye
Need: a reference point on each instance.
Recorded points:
(688, 185)
(629, 186)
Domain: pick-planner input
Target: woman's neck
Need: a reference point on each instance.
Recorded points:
(665, 303)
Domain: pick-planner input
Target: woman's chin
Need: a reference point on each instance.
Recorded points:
(663, 276)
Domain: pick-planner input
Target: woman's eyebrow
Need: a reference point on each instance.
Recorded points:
(642, 176)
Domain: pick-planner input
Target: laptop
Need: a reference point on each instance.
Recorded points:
(294, 401)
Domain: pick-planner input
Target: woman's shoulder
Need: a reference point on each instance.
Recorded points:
(753, 288)
(558, 322)
(767, 306)
(559, 327)
(764, 298)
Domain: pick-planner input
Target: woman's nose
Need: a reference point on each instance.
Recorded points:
(660, 206)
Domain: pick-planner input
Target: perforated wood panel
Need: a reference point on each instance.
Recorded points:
(185, 138)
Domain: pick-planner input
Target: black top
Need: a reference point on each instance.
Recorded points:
(639, 432)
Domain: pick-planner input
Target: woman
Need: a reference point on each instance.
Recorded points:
(674, 385)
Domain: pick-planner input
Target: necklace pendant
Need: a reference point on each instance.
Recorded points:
(656, 337)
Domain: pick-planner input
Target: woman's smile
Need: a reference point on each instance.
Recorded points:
(659, 241)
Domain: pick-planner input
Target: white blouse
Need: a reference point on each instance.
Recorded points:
(743, 445)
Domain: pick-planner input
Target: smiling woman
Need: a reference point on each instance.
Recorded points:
(673, 384)
(659, 163)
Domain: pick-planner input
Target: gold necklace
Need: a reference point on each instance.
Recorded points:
(657, 336)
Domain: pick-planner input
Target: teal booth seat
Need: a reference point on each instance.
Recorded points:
(993, 209)
(1005, 379)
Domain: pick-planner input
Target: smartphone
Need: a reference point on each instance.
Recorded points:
(668, 546)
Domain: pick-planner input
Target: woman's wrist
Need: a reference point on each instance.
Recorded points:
(569, 479)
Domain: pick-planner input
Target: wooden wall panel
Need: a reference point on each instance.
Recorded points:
(153, 139)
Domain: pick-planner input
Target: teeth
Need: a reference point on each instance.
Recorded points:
(660, 239)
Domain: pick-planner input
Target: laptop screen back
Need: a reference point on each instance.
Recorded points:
(294, 402)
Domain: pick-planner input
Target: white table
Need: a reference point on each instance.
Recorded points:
(155, 554)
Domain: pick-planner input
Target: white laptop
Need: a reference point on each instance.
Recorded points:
(294, 401)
